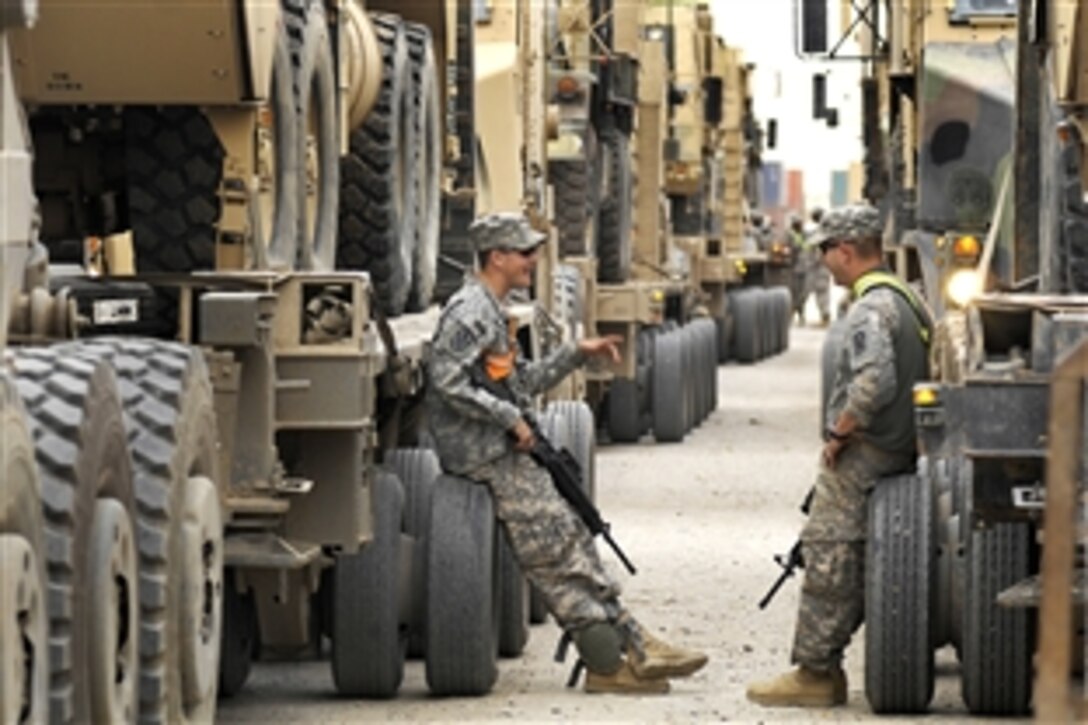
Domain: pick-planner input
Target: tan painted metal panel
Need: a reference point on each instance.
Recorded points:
(133, 51)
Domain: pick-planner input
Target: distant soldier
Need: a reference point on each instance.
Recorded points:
(869, 434)
(799, 252)
(485, 438)
(817, 278)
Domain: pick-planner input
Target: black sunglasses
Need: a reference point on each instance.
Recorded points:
(827, 245)
(523, 252)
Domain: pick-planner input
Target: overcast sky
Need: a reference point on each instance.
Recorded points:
(765, 30)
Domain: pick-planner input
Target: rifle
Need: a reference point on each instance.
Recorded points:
(791, 561)
(561, 465)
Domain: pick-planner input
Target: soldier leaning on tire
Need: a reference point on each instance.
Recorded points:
(870, 434)
(486, 439)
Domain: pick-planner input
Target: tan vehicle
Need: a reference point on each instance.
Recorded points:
(219, 448)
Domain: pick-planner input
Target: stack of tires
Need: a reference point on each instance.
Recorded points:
(675, 387)
(124, 438)
(760, 323)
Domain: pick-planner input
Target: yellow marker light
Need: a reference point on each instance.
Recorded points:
(966, 246)
(741, 267)
(925, 396)
(657, 296)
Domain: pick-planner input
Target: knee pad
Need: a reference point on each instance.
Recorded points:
(600, 647)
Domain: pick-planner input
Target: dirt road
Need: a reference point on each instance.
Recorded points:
(701, 520)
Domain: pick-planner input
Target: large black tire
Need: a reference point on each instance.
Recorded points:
(900, 570)
(240, 635)
(368, 641)
(580, 439)
(746, 340)
(426, 114)
(997, 641)
(377, 195)
(724, 325)
(24, 689)
(417, 469)
(171, 426)
(785, 316)
(462, 616)
(76, 422)
(175, 166)
(669, 401)
(624, 411)
(615, 212)
(315, 97)
(576, 201)
(514, 602)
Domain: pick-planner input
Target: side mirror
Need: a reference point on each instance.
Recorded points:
(832, 117)
(819, 96)
(772, 133)
(813, 26)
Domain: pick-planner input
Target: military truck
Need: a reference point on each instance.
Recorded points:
(955, 547)
(217, 332)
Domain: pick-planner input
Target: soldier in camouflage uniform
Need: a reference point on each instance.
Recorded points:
(485, 438)
(870, 434)
(817, 279)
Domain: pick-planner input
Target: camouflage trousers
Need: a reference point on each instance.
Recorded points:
(833, 546)
(818, 283)
(551, 543)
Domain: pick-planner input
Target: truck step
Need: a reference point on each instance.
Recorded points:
(1029, 592)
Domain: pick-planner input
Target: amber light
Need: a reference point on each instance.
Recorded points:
(966, 246)
(925, 397)
(567, 86)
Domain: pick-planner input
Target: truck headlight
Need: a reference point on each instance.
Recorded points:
(963, 286)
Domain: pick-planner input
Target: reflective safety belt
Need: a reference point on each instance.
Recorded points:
(882, 278)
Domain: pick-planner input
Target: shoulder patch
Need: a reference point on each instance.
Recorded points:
(462, 339)
(859, 343)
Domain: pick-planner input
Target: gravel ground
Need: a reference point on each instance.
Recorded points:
(700, 520)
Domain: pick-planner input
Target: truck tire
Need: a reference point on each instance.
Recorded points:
(615, 210)
(171, 427)
(24, 619)
(175, 167)
(709, 333)
(997, 641)
(900, 569)
(668, 397)
(576, 201)
(368, 641)
(418, 469)
(513, 601)
(624, 411)
(318, 121)
(76, 422)
(580, 438)
(724, 325)
(462, 606)
(427, 116)
(746, 346)
(240, 634)
(377, 194)
(785, 316)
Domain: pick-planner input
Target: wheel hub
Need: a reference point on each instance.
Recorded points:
(23, 664)
(201, 591)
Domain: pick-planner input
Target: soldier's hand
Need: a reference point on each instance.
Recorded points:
(831, 452)
(600, 346)
(524, 435)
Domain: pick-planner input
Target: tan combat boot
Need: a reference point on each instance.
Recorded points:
(801, 687)
(625, 681)
(660, 659)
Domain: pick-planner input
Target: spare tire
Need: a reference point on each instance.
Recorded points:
(315, 97)
(575, 200)
(426, 113)
(377, 194)
(614, 224)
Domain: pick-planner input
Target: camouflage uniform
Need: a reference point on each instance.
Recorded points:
(817, 278)
(471, 430)
(881, 358)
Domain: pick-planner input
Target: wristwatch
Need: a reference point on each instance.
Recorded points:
(833, 435)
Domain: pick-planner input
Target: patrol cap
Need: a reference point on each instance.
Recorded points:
(849, 223)
(504, 230)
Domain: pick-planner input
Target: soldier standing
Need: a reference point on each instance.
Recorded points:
(485, 438)
(799, 252)
(817, 277)
(870, 434)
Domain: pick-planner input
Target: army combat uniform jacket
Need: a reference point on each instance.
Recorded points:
(470, 425)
